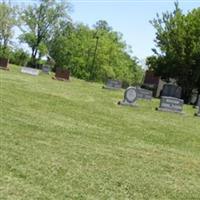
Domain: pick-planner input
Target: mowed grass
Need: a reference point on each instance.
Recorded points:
(70, 140)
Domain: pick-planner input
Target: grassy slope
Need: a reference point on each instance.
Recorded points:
(70, 140)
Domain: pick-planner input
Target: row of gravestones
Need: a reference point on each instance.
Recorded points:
(170, 98)
(61, 74)
(4, 64)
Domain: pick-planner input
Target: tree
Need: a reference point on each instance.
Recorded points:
(19, 57)
(94, 54)
(7, 22)
(40, 23)
(178, 48)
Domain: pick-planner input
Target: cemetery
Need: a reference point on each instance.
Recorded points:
(65, 136)
(77, 133)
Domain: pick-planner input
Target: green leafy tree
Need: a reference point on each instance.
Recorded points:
(95, 53)
(8, 20)
(40, 22)
(19, 57)
(178, 48)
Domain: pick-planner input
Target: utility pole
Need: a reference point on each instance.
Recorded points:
(95, 53)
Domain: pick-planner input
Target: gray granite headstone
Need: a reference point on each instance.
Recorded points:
(198, 102)
(198, 114)
(130, 97)
(170, 90)
(31, 71)
(144, 93)
(171, 104)
(113, 84)
(198, 106)
(46, 69)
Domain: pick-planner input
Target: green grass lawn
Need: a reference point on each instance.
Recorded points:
(70, 140)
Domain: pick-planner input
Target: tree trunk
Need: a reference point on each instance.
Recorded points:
(33, 58)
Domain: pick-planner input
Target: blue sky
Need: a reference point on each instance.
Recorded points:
(131, 18)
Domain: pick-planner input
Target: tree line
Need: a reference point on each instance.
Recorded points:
(90, 53)
(177, 52)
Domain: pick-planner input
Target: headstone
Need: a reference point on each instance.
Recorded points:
(113, 84)
(130, 97)
(198, 106)
(144, 93)
(46, 69)
(171, 104)
(170, 90)
(198, 102)
(31, 71)
(4, 63)
(198, 114)
(62, 74)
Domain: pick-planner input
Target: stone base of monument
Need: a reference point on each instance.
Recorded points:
(110, 88)
(126, 103)
(59, 79)
(169, 110)
(171, 104)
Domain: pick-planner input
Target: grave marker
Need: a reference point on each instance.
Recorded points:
(113, 84)
(31, 71)
(46, 69)
(171, 104)
(198, 106)
(130, 97)
(144, 93)
(198, 114)
(198, 102)
(62, 74)
(170, 90)
(4, 63)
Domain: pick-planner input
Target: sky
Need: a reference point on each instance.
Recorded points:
(130, 17)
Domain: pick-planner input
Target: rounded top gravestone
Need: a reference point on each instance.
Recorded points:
(130, 95)
(170, 90)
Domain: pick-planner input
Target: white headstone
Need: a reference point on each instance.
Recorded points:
(31, 71)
